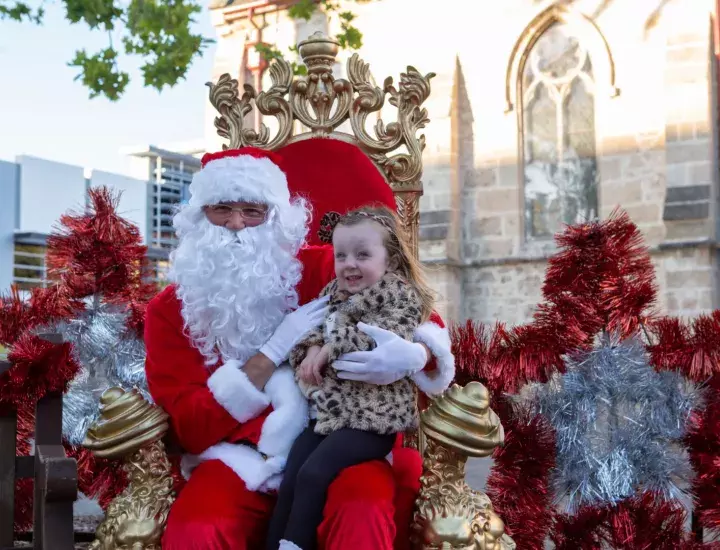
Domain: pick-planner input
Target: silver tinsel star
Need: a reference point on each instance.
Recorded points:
(619, 425)
(108, 354)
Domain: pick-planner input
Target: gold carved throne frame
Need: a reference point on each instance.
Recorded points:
(460, 424)
(322, 103)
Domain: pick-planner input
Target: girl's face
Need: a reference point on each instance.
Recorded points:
(361, 258)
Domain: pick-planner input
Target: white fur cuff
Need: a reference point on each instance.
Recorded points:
(438, 340)
(249, 465)
(289, 416)
(232, 388)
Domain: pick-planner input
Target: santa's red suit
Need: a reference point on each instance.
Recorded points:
(236, 436)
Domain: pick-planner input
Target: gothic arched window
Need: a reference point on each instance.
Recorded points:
(558, 133)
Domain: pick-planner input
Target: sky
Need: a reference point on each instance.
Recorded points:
(45, 113)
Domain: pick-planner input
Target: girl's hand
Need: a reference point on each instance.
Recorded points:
(313, 366)
(305, 370)
(319, 363)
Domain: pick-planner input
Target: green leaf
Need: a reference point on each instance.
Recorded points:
(350, 38)
(268, 52)
(19, 11)
(304, 9)
(159, 31)
(96, 13)
(347, 16)
(100, 74)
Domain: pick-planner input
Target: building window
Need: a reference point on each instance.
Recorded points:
(558, 133)
(170, 190)
(29, 270)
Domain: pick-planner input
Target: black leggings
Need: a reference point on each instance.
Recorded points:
(314, 462)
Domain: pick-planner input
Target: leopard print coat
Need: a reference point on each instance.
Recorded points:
(390, 304)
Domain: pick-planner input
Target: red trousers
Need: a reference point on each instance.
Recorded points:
(369, 507)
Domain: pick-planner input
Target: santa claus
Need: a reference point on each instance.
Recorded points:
(217, 340)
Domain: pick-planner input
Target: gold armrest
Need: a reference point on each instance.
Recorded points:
(130, 429)
(449, 514)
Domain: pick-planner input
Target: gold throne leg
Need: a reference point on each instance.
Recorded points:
(131, 429)
(449, 514)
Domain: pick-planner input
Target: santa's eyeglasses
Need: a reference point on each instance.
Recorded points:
(249, 214)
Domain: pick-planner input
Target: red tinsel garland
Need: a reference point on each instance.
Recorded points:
(645, 522)
(519, 482)
(92, 253)
(705, 362)
(98, 477)
(45, 305)
(100, 253)
(695, 351)
(24, 505)
(704, 448)
(24, 487)
(136, 316)
(38, 368)
(583, 531)
(14, 316)
(602, 279)
(606, 265)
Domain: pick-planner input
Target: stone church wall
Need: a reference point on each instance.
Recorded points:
(655, 143)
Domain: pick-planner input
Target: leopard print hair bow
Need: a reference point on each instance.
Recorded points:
(327, 226)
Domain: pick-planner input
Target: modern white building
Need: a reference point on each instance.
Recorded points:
(34, 193)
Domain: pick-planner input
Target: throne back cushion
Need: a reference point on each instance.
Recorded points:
(333, 175)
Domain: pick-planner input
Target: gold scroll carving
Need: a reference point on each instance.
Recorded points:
(322, 103)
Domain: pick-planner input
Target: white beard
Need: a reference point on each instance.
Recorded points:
(236, 287)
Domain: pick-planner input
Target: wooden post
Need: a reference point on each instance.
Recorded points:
(55, 479)
(8, 429)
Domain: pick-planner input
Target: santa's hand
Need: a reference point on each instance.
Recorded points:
(294, 327)
(392, 359)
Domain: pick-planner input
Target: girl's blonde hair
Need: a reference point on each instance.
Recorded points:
(398, 248)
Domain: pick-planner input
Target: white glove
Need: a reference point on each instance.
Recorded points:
(294, 327)
(392, 359)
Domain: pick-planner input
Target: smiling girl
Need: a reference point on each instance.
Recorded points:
(378, 282)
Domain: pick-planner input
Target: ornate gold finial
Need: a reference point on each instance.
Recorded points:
(127, 422)
(132, 428)
(463, 420)
(449, 514)
(319, 52)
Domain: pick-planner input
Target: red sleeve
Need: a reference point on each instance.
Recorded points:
(436, 319)
(318, 270)
(204, 409)
(438, 374)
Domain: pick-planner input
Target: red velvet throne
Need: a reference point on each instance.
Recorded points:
(335, 171)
